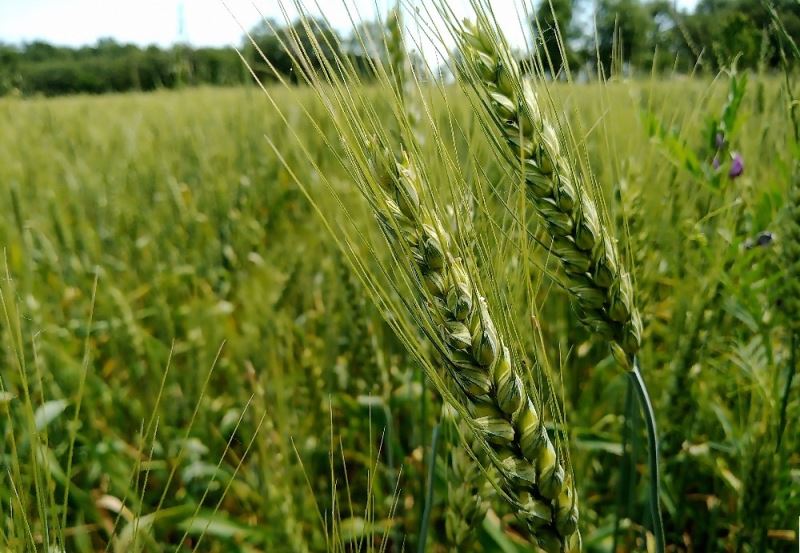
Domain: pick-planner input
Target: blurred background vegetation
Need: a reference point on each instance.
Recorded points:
(637, 35)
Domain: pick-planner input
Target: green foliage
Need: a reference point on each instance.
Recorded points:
(108, 66)
(654, 34)
(277, 42)
(622, 27)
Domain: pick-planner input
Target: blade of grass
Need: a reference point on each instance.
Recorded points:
(426, 513)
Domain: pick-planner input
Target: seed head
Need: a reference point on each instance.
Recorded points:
(578, 237)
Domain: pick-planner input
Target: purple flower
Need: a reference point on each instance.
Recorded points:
(720, 140)
(715, 163)
(737, 166)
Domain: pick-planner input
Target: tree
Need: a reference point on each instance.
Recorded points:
(554, 27)
(9, 69)
(622, 29)
(725, 29)
(312, 41)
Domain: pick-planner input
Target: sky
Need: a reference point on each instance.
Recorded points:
(198, 22)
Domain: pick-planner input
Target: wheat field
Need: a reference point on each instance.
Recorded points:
(223, 311)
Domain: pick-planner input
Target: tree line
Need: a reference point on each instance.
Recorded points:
(109, 66)
(587, 36)
(647, 35)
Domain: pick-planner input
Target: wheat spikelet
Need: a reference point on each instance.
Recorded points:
(475, 356)
(579, 238)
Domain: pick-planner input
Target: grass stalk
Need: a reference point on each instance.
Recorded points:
(429, 489)
(791, 370)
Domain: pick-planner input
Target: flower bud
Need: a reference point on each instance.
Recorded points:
(459, 302)
(434, 283)
(575, 261)
(565, 194)
(551, 475)
(548, 540)
(737, 166)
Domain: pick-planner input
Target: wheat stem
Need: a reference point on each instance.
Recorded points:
(652, 455)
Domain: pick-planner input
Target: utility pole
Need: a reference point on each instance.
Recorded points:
(182, 66)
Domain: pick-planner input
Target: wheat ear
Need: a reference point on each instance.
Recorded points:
(578, 237)
(602, 289)
(475, 356)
